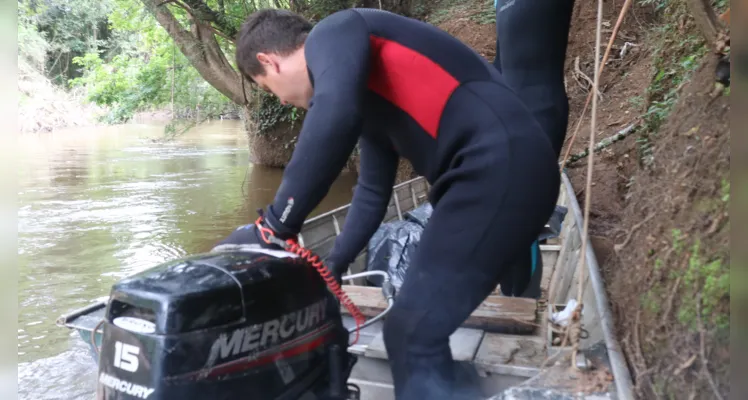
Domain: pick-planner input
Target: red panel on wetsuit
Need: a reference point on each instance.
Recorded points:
(410, 81)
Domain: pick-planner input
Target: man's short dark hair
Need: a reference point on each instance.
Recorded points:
(269, 31)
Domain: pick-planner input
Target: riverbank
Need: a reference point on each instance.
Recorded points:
(659, 219)
(43, 107)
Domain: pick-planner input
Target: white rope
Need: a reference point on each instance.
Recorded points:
(622, 14)
(575, 326)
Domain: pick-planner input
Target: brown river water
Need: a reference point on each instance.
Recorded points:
(99, 204)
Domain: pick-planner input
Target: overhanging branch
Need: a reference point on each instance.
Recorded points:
(204, 13)
(201, 49)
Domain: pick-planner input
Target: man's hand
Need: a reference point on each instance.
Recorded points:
(257, 234)
(335, 269)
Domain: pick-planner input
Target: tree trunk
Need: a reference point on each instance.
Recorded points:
(271, 149)
(705, 18)
(202, 49)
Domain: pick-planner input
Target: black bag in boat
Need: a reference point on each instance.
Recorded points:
(393, 245)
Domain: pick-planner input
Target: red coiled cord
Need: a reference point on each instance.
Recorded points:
(313, 259)
(329, 278)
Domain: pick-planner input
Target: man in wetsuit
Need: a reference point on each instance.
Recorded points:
(531, 41)
(403, 88)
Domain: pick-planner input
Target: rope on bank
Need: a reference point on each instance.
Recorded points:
(575, 327)
(604, 143)
(598, 72)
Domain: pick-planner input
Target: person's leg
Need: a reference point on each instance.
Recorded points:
(523, 279)
(531, 41)
(494, 206)
(533, 286)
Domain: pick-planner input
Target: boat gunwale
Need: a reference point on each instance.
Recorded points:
(334, 211)
(621, 374)
(67, 319)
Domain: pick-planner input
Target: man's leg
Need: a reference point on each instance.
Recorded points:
(531, 41)
(492, 210)
(523, 279)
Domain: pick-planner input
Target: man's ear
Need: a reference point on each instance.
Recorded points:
(268, 61)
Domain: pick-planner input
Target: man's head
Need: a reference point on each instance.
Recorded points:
(270, 51)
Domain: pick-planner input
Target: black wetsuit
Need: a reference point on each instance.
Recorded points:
(531, 41)
(401, 87)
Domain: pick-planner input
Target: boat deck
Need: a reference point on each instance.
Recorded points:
(506, 341)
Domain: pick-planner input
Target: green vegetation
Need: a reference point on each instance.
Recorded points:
(708, 283)
(439, 11)
(270, 113)
(487, 13)
(32, 46)
(127, 56)
(677, 50)
(703, 280)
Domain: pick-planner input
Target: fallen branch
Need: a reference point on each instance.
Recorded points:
(669, 304)
(685, 365)
(603, 143)
(634, 228)
(578, 72)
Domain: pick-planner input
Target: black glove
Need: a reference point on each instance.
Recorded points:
(335, 269)
(257, 234)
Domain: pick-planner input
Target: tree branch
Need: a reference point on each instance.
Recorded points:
(201, 48)
(206, 14)
(219, 33)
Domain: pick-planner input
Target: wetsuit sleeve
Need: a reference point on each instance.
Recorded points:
(337, 56)
(372, 194)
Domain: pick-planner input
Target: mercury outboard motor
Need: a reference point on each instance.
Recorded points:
(231, 325)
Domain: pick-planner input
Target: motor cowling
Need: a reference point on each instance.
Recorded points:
(234, 325)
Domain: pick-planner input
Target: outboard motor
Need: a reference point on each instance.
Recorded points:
(232, 325)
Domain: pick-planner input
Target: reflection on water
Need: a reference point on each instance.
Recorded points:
(98, 204)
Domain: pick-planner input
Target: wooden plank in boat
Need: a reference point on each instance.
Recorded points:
(463, 343)
(563, 256)
(565, 268)
(510, 354)
(549, 263)
(496, 313)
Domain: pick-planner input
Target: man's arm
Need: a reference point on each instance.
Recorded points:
(337, 55)
(376, 177)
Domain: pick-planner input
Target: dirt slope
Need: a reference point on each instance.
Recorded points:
(659, 217)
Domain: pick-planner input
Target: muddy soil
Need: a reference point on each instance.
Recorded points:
(660, 228)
